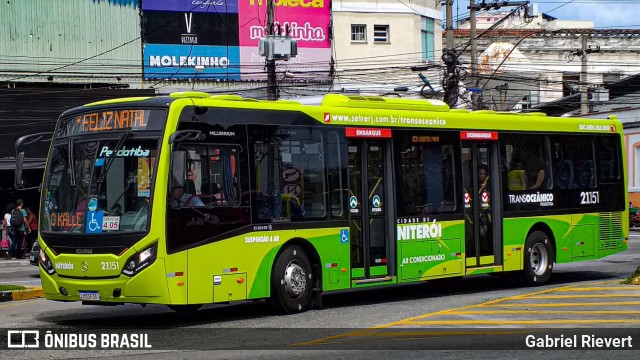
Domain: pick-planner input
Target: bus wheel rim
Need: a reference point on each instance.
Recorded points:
(539, 259)
(295, 279)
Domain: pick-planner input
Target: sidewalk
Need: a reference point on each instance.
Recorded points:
(32, 292)
(13, 262)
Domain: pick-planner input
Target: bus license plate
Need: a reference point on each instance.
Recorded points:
(89, 296)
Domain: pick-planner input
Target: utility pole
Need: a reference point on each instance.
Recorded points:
(583, 52)
(449, 24)
(272, 86)
(474, 51)
(450, 59)
(275, 47)
(584, 94)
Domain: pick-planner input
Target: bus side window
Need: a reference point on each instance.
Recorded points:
(290, 174)
(608, 152)
(338, 195)
(564, 175)
(574, 162)
(526, 157)
(426, 173)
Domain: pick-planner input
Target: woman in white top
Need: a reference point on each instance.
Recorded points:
(7, 226)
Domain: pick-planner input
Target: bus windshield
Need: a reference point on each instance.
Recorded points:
(107, 189)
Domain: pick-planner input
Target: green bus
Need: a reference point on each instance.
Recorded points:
(193, 199)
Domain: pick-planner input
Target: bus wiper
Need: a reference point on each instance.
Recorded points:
(109, 160)
(72, 169)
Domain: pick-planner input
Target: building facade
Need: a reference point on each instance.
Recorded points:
(549, 53)
(376, 42)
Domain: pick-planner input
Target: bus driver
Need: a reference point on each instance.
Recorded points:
(181, 198)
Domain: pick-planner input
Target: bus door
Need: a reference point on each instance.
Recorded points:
(369, 207)
(482, 199)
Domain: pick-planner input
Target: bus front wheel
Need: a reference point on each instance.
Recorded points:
(291, 281)
(538, 258)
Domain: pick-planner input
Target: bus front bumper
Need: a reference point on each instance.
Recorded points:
(148, 286)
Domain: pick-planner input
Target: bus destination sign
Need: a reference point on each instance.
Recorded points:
(107, 120)
(111, 121)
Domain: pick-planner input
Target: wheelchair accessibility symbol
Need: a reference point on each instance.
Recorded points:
(94, 222)
(344, 236)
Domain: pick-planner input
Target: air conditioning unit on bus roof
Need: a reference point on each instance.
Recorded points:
(278, 47)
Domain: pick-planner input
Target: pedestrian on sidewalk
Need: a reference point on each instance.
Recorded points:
(6, 221)
(32, 235)
(18, 222)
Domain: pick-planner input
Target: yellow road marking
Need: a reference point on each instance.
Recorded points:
(363, 332)
(617, 281)
(571, 312)
(604, 288)
(587, 296)
(609, 303)
(16, 303)
(522, 322)
(456, 332)
(410, 335)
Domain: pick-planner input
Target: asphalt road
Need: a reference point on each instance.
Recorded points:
(461, 317)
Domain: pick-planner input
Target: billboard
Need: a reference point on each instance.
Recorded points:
(214, 6)
(218, 39)
(308, 22)
(191, 61)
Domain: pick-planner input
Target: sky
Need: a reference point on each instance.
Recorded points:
(604, 13)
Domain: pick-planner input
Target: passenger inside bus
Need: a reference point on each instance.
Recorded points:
(483, 178)
(484, 216)
(536, 173)
(516, 176)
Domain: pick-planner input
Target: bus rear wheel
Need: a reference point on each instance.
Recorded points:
(538, 258)
(291, 281)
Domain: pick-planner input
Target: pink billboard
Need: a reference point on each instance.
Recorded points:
(308, 23)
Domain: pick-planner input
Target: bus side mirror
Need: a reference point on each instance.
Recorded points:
(178, 168)
(20, 143)
(18, 182)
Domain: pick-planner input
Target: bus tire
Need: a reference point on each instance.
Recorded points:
(185, 308)
(538, 258)
(291, 281)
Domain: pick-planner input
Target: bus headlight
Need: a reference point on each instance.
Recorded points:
(46, 263)
(140, 260)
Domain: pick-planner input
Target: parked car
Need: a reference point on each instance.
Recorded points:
(35, 252)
